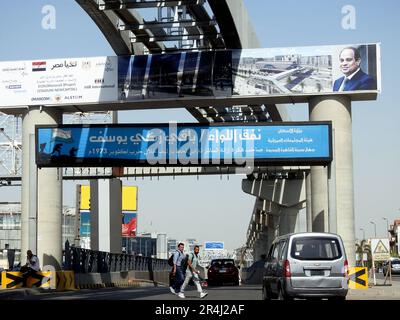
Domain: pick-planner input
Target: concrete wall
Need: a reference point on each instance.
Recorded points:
(123, 278)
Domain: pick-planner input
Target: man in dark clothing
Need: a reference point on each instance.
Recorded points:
(177, 270)
(31, 266)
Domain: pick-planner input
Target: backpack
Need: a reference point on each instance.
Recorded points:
(171, 260)
(184, 263)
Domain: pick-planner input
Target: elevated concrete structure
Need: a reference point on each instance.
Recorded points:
(105, 212)
(338, 110)
(41, 195)
(276, 210)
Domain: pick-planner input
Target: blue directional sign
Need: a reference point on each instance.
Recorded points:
(233, 144)
(214, 245)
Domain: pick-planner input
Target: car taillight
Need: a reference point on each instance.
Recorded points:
(286, 266)
(345, 268)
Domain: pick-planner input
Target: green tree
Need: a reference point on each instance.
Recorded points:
(364, 247)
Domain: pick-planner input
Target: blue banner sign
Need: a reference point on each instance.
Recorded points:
(213, 245)
(240, 145)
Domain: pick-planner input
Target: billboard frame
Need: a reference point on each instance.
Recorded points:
(144, 163)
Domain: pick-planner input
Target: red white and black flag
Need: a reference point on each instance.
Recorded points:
(39, 66)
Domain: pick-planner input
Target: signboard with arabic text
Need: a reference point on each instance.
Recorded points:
(234, 144)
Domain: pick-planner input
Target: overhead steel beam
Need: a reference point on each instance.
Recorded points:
(106, 22)
(168, 24)
(132, 17)
(226, 23)
(199, 13)
(160, 38)
(257, 173)
(134, 4)
(193, 102)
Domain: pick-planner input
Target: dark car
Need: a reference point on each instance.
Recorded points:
(395, 267)
(222, 271)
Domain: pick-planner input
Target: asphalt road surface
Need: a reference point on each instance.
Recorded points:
(243, 292)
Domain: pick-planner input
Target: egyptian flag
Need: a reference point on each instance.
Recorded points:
(39, 66)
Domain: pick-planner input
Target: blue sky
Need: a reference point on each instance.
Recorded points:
(211, 201)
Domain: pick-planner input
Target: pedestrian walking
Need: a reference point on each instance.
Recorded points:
(192, 272)
(177, 270)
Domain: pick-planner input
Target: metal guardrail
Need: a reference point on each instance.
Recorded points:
(87, 261)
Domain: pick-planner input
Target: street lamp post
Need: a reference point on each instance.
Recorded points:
(362, 229)
(387, 225)
(374, 227)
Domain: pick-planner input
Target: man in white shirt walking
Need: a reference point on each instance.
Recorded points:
(192, 273)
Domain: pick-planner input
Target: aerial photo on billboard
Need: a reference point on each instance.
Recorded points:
(306, 70)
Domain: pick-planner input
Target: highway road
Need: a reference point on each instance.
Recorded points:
(244, 292)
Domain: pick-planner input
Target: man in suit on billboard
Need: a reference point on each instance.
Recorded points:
(354, 78)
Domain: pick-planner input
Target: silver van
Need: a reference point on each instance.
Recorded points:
(306, 265)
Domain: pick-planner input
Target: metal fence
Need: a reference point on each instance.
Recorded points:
(86, 261)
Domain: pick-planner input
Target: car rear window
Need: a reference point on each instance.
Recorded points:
(313, 248)
(395, 262)
(223, 263)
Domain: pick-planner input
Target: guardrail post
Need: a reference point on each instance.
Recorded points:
(67, 256)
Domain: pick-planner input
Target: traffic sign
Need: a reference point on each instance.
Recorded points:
(380, 249)
(358, 278)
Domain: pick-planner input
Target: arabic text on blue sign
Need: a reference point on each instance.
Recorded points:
(183, 144)
(214, 245)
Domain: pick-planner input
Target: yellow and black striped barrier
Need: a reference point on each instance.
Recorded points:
(358, 278)
(60, 280)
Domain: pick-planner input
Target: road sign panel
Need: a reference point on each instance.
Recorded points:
(380, 249)
(358, 278)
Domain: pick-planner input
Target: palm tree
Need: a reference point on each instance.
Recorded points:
(364, 247)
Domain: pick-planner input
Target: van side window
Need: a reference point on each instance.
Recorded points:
(282, 250)
(269, 258)
(276, 252)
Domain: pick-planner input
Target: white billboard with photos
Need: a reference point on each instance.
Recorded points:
(190, 78)
(58, 81)
(306, 70)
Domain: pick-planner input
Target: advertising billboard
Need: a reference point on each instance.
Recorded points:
(85, 198)
(59, 81)
(175, 75)
(129, 224)
(265, 72)
(307, 70)
(129, 204)
(129, 198)
(235, 144)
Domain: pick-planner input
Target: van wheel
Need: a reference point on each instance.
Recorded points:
(282, 295)
(265, 294)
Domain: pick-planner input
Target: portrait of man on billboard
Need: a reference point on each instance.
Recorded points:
(354, 78)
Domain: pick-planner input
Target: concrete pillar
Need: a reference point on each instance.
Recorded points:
(288, 220)
(106, 215)
(338, 110)
(260, 246)
(308, 203)
(41, 194)
(319, 199)
(271, 229)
